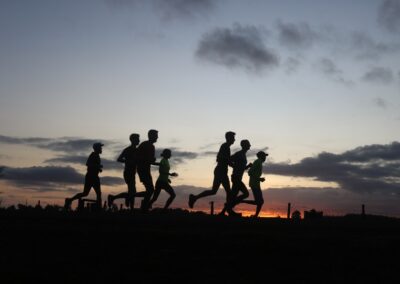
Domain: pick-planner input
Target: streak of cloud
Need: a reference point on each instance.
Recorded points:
(239, 47)
(81, 160)
(379, 102)
(380, 75)
(186, 9)
(63, 144)
(168, 10)
(366, 48)
(48, 178)
(330, 69)
(367, 169)
(389, 15)
(296, 36)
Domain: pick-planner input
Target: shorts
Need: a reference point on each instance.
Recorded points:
(145, 176)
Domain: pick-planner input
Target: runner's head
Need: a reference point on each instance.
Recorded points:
(134, 138)
(166, 153)
(153, 135)
(230, 137)
(262, 156)
(245, 144)
(98, 147)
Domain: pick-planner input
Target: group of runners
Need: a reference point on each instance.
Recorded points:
(139, 159)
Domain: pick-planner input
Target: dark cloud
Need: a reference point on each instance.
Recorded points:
(111, 181)
(26, 141)
(367, 48)
(372, 168)
(48, 178)
(81, 160)
(177, 155)
(333, 201)
(250, 154)
(329, 68)
(378, 75)
(70, 145)
(37, 176)
(64, 144)
(389, 15)
(209, 153)
(238, 47)
(296, 36)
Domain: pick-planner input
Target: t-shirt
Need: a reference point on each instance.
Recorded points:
(239, 161)
(255, 173)
(130, 156)
(93, 164)
(145, 155)
(223, 157)
(164, 170)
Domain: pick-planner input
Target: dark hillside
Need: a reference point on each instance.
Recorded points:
(39, 245)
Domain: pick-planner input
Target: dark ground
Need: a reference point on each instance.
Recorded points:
(39, 246)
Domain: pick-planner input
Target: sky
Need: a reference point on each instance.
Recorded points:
(315, 83)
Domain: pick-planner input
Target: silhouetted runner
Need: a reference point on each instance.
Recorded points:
(94, 167)
(255, 173)
(239, 165)
(146, 158)
(128, 157)
(163, 181)
(220, 171)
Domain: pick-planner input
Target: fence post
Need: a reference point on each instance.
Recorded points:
(288, 210)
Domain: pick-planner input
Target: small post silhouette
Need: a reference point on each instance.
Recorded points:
(363, 210)
(212, 207)
(288, 210)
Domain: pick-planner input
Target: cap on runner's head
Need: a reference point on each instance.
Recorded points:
(261, 154)
(97, 145)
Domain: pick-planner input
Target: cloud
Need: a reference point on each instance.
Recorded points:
(291, 65)
(168, 9)
(367, 48)
(63, 144)
(48, 178)
(25, 141)
(378, 75)
(389, 15)
(251, 153)
(329, 68)
(37, 176)
(178, 156)
(296, 36)
(81, 160)
(332, 201)
(367, 169)
(187, 9)
(380, 103)
(239, 47)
